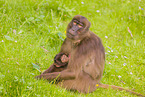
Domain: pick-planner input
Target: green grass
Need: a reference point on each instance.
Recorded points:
(28, 25)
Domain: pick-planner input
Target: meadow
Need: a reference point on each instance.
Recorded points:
(32, 31)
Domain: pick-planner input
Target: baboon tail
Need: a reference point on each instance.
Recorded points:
(118, 88)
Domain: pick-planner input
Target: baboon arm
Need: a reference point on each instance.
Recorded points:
(66, 46)
(63, 75)
(49, 70)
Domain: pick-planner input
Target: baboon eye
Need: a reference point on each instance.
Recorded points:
(74, 23)
(80, 26)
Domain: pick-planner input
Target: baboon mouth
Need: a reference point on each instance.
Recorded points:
(70, 36)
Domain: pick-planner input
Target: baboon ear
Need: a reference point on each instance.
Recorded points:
(87, 26)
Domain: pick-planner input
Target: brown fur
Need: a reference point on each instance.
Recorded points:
(86, 64)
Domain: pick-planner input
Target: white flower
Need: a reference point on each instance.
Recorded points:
(125, 57)
(116, 56)
(130, 72)
(106, 36)
(139, 7)
(82, 2)
(124, 64)
(119, 76)
(14, 31)
(108, 51)
(109, 63)
(2, 41)
(97, 11)
(111, 50)
(16, 41)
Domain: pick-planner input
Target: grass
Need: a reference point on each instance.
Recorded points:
(28, 25)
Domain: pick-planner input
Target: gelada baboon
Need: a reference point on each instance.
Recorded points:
(80, 63)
